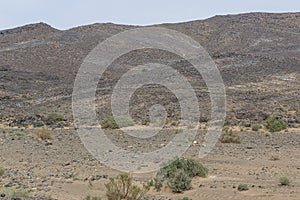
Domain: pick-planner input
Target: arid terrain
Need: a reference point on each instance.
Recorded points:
(258, 55)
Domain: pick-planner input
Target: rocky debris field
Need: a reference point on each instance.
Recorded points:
(63, 169)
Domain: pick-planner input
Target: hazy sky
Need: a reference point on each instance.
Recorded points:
(63, 14)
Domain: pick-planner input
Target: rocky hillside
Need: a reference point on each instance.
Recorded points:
(258, 55)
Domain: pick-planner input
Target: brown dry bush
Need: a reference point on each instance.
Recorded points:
(43, 134)
(230, 137)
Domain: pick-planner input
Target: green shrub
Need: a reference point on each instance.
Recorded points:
(121, 188)
(92, 198)
(230, 137)
(179, 131)
(185, 198)
(194, 168)
(26, 96)
(226, 128)
(180, 182)
(2, 170)
(227, 123)
(20, 193)
(298, 113)
(146, 122)
(268, 134)
(156, 184)
(256, 127)
(284, 180)
(191, 167)
(18, 133)
(110, 122)
(243, 187)
(179, 173)
(274, 124)
(55, 117)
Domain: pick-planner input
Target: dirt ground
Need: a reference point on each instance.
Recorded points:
(62, 168)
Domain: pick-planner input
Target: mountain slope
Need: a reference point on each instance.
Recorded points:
(258, 55)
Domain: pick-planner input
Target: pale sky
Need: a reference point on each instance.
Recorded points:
(64, 14)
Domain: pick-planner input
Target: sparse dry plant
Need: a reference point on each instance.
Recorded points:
(122, 188)
(284, 180)
(230, 137)
(274, 157)
(256, 127)
(2, 170)
(43, 133)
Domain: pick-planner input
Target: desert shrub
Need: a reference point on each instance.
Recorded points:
(2, 170)
(110, 122)
(243, 187)
(226, 128)
(179, 173)
(122, 188)
(284, 180)
(43, 133)
(268, 134)
(92, 198)
(194, 168)
(230, 137)
(26, 96)
(18, 133)
(191, 167)
(242, 128)
(298, 113)
(256, 127)
(146, 122)
(185, 198)
(174, 123)
(180, 182)
(274, 157)
(227, 123)
(55, 117)
(76, 177)
(274, 124)
(19, 193)
(156, 184)
(179, 131)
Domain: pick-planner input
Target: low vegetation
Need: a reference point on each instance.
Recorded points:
(55, 117)
(43, 133)
(26, 96)
(2, 170)
(256, 127)
(229, 136)
(122, 188)
(110, 122)
(274, 158)
(179, 174)
(275, 124)
(92, 198)
(243, 187)
(185, 198)
(268, 134)
(16, 193)
(17, 133)
(180, 182)
(284, 180)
